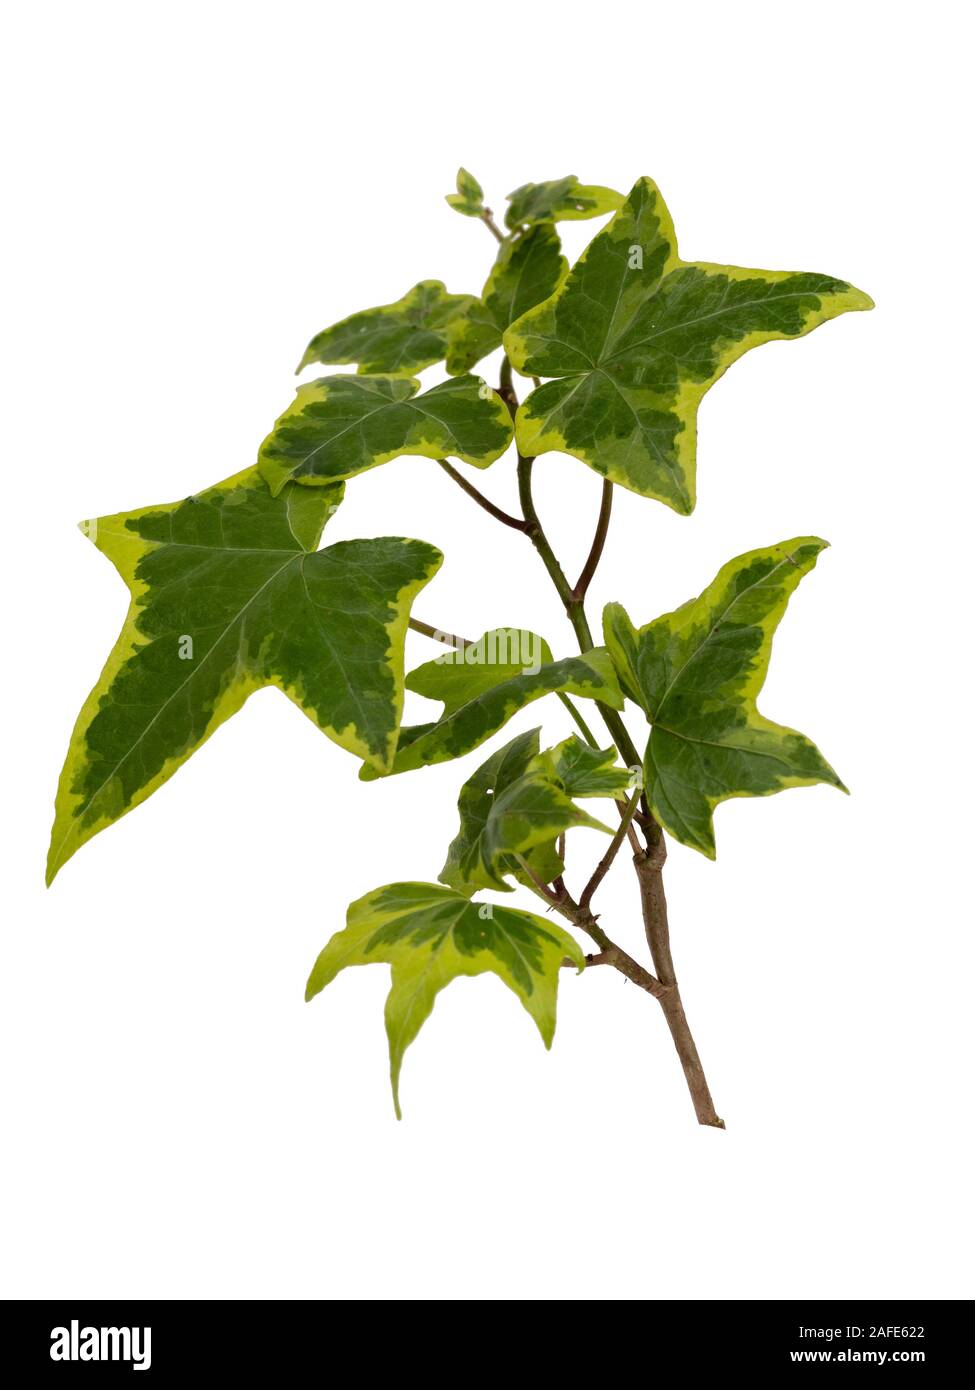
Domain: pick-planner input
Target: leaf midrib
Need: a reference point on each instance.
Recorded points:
(705, 318)
(83, 809)
(414, 405)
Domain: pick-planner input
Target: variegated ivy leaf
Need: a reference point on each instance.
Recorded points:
(528, 269)
(635, 336)
(230, 593)
(514, 806)
(431, 935)
(559, 200)
(341, 425)
(585, 771)
(487, 682)
(469, 198)
(394, 339)
(697, 673)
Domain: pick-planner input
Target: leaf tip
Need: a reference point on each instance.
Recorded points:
(860, 300)
(56, 861)
(313, 987)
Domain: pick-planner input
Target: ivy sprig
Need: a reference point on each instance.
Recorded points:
(231, 591)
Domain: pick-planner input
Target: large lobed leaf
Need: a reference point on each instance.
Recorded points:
(394, 339)
(339, 426)
(528, 269)
(431, 935)
(635, 336)
(487, 682)
(697, 672)
(229, 593)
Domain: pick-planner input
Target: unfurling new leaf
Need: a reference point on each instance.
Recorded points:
(515, 807)
(696, 673)
(431, 935)
(469, 198)
(586, 771)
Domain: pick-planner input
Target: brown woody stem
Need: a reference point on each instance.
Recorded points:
(505, 517)
(649, 870)
(605, 864)
(598, 542)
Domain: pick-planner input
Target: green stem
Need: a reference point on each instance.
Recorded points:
(573, 601)
(580, 723)
(449, 639)
(538, 538)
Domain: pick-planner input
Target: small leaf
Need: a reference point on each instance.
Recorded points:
(341, 425)
(635, 336)
(469, 198)
(559, 200)
(513, 805)
(394, 339)
(697, 673)
(485, 684)
(585, 771)
(528, 269)
(431, 935)
(229, 594)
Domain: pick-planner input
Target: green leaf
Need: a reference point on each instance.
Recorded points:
(635, 336)
(341, 425)
(585, 771)
(229, 594)
(395, 339)
(528, 269)
(487, 682)
(559, 200)
(697, 673)
(430, 936)
(469, 198)
(513, 805)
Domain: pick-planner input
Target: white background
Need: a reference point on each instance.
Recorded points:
(191, 192)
